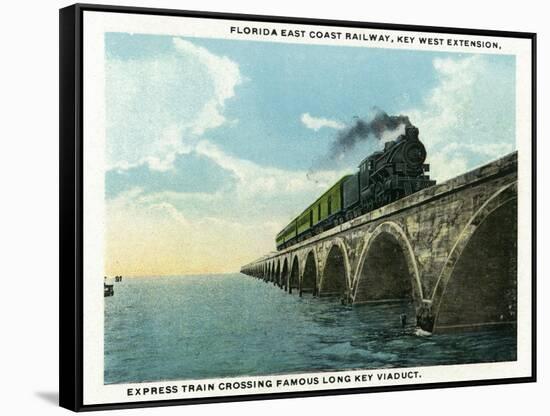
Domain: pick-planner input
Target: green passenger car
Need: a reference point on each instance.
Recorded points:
(315, 217)
(287, 234)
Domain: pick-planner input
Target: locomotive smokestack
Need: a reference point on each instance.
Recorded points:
(411, 132)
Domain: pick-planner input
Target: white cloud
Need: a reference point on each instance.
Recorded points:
(158, 107)
(158, 238)
(445, 165)
(173, 212)
(465, 120)
(317, 123)
(255, 205)
(487, 150)
(225, 75)
(254, 179)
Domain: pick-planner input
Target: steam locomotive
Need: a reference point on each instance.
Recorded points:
(383, 177)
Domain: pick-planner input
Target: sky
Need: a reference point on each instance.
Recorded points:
(214, 145)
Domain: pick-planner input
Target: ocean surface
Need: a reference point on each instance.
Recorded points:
(211, 326)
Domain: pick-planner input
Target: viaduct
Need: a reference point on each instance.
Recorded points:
(451, 249)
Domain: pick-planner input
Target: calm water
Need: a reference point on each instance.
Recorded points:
(214, 326)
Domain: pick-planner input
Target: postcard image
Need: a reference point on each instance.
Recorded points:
(281, 208)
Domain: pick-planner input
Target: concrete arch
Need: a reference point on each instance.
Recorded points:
(336, 264)
(284, 273)
(400, 260)
(310, 275)
(294, 275)
(273, 274)
(277, 276)
(500, 207)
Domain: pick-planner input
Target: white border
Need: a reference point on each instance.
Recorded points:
(95, 25)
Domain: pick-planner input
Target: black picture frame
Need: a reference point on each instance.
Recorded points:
(72, 210)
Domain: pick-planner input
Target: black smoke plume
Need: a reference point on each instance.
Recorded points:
(362, 130)
(352, 144)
